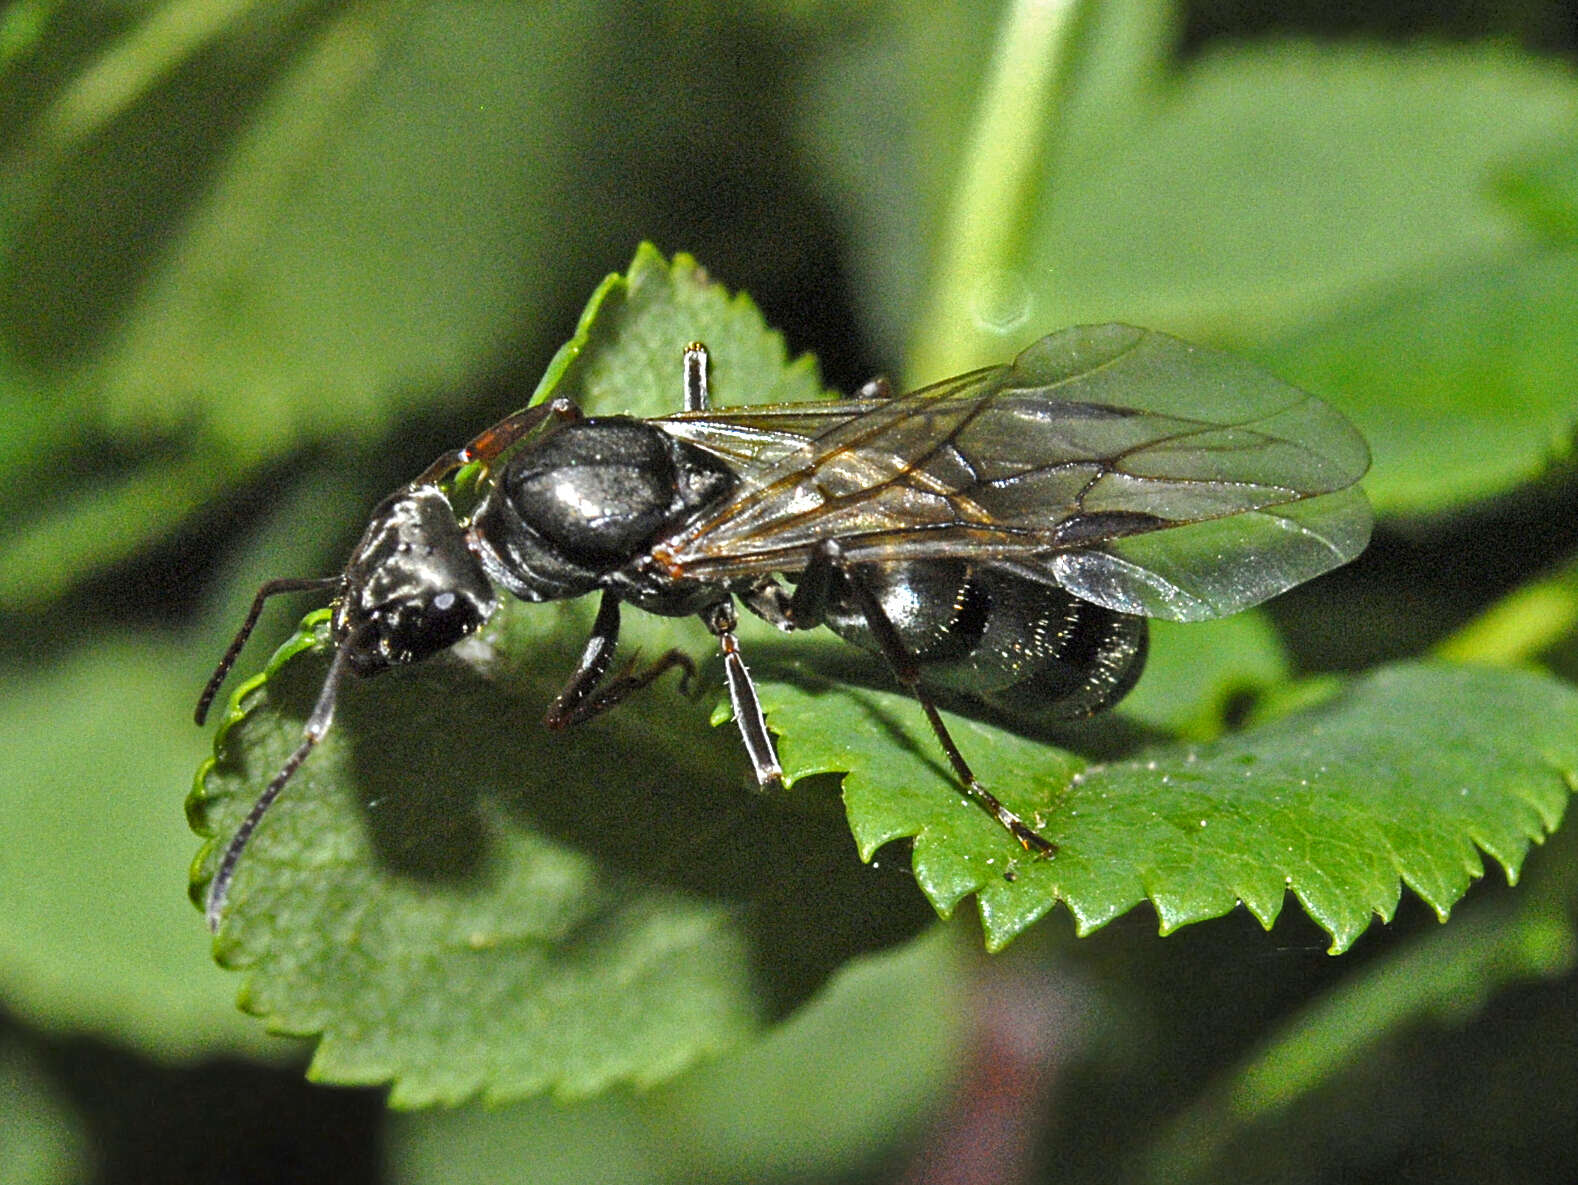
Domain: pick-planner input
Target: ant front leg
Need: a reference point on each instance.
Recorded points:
(808, 606)
(582, 699)
(490, 443)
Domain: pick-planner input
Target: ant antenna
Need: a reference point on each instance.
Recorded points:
(272, 588)
(317, 725)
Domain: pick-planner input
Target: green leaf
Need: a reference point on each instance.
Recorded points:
(462, 902)
(1475, 364)
(841, 1082)
(1271, 183)
(1341, 804)
(42, 1137)
(1544, 190)
(625, 355)
(95, 746)
(365, 241)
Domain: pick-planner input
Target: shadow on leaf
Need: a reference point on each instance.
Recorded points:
(456, 777)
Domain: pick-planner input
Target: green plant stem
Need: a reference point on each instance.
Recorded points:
(998, 173)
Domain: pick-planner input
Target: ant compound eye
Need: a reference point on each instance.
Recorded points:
(427, 623)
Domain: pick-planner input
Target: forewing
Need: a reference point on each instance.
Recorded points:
(758, 439)
(1132, 469)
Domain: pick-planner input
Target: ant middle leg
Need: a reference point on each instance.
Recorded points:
(721, 620)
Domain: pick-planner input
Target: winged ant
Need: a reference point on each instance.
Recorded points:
(994, 533)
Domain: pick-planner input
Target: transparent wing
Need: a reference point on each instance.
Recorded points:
(1130, 468)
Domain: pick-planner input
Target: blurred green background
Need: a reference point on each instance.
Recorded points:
(260, 262)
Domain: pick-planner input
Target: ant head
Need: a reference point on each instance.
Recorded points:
(412, 586)
(411, 589)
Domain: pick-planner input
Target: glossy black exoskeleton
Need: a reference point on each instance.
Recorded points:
(995, 534)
